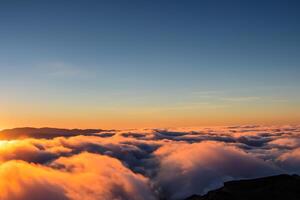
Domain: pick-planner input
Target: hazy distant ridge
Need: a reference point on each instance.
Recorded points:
(25, 132)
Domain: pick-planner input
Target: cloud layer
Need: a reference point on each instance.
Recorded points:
(140, 164)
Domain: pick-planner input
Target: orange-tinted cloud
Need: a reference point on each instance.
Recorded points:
(85, 176)
(143, 163)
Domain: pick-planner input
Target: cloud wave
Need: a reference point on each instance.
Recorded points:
(140, 164)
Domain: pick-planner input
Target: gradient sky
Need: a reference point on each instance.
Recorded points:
(123, 64)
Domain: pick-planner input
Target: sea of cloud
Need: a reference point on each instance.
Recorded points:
(143, 164)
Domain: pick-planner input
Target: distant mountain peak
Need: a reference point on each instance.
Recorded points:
(46, 132)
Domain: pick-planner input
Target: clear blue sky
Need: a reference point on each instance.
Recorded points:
(92, 58)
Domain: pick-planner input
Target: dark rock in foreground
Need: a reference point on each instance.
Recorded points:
(281, 187)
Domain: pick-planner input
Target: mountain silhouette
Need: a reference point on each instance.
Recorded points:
(278, 187)
(47, 133)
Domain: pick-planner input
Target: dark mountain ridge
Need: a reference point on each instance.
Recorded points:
(47, 133)
(280, 187)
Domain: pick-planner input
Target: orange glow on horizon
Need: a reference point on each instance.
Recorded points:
(149, 117)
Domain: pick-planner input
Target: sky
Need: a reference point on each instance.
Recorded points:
(133, 64)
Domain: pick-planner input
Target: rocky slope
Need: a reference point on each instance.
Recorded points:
(279, 187)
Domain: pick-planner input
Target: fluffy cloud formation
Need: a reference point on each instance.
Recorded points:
(84, 176)
(200, 167)
(140, 164)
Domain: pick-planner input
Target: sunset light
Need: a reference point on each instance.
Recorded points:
(150, 100)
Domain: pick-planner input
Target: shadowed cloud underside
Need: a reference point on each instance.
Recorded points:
(140, 163)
